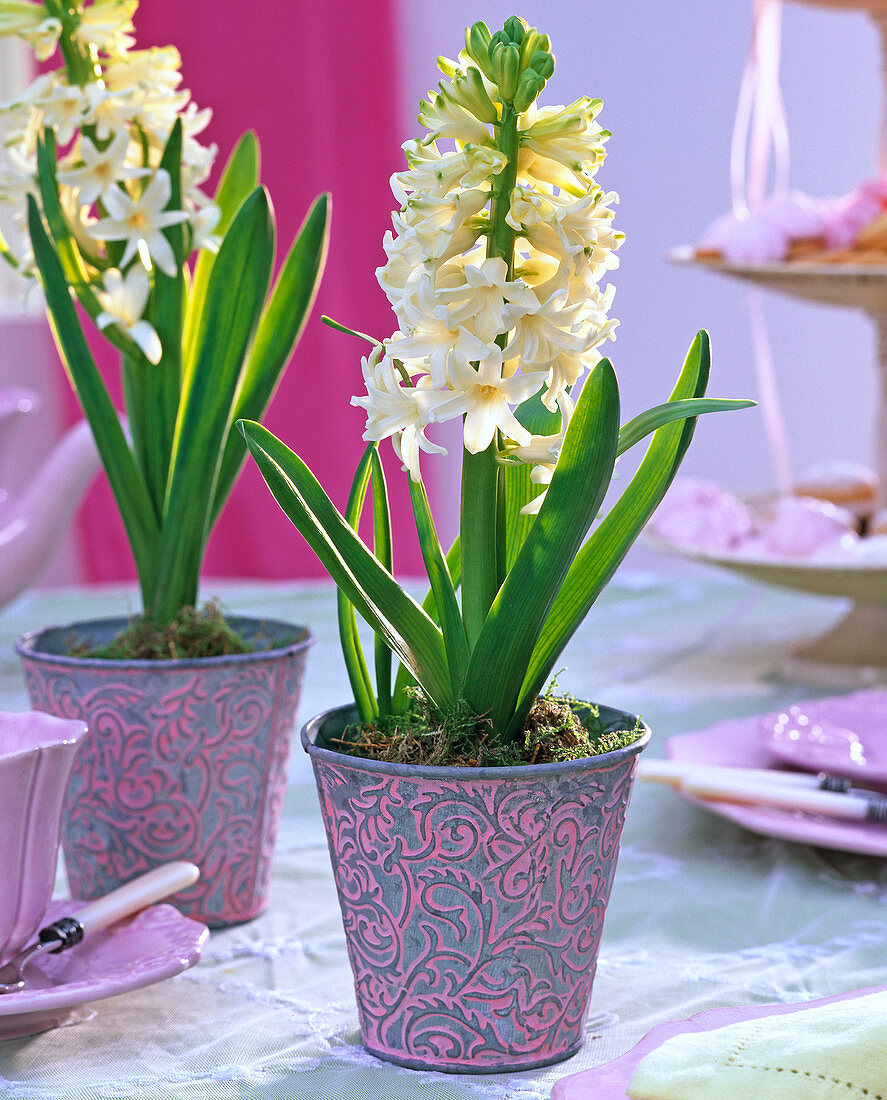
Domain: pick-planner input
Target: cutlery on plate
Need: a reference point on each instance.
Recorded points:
(672, 772)
(766, 787)
(65, 932)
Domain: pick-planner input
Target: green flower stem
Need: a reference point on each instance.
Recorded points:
(480, 558)
(79, 65)
(501, 237)
(483, 555)
(352, 651)
(136, 374)
(383, 548)
(159, 387)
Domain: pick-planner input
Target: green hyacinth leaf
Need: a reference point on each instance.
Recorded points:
(500, 657)
(599, 557)
(127, 484)
(240, 178)
(278, 332)
(376, 595)
(235, 295)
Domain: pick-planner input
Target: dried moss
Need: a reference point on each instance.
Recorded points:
(558, 728)
(195, 633)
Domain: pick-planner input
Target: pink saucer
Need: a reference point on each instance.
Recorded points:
(610, 1081)
(845, 735)
(155, 944)
(738, 741)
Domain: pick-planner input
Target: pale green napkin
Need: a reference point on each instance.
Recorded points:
(839, 1049)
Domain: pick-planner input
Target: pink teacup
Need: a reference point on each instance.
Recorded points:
(36, 755)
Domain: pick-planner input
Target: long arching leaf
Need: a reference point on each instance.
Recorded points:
(403, 679)
(647, 422)
(239, 179)
(155, 406)
(235, 295)
(441, 586)
(519, 489)
(280, 327)
(388, 609)
(608, 544)
(352, 650)
(127, 484)
(383, 548)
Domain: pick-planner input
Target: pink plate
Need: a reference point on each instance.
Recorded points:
(738, 741)
(845, 735)
(610, 1081)
(154, 944)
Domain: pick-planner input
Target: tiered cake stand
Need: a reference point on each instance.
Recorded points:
(855, 651)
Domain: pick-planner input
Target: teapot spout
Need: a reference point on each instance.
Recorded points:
(33, 525)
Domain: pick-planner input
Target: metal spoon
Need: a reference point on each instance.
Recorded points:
(65, 932)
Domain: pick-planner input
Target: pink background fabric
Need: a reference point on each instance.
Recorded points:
(319, 84)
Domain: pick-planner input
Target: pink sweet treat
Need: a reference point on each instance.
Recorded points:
(843, 550)
(846, 216)
(802, 526)
(701, 515)
(846, 484)
(755, 239)
(871, 550)
(763, 235)
(795, 214)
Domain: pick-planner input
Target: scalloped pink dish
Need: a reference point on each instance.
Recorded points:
(153, 945)
(610, 1081)
(844, 734)
(738, 741)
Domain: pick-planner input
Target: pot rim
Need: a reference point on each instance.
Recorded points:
(26, 646)
(600, 762)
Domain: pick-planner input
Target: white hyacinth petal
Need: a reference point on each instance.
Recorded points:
(123, 303)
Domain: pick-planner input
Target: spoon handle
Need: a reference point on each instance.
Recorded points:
(141, 892)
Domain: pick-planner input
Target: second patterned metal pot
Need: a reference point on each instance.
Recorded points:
(185, 759)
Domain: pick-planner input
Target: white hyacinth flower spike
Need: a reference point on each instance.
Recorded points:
(500, 240)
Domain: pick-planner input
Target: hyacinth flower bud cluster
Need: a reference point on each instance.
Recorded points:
(494, 267)
(109, 110)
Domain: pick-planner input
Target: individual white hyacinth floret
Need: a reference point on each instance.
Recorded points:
(123, 303)
(140, 223)
(499, 245)
(102, 169)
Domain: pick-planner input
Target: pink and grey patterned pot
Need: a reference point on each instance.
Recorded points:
(473, 899)
(186, 759)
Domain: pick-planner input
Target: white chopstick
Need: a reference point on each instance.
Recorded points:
(675, 773)
(760, 787)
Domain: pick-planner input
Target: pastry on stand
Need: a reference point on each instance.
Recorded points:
(835, 272)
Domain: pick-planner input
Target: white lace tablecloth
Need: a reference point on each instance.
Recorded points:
(702, 913)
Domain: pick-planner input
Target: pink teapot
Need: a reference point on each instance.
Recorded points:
(35, 519)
